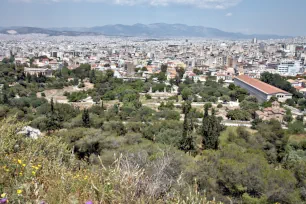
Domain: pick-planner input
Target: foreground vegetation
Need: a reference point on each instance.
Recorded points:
(97, 165)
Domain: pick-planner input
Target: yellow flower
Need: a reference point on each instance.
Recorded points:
(7, 170)
(19, 191)
(3, 195)
(36, 168)
(34, 173)
(39, 165)
(19, 161)
(20, 173)
(23, 165)
(85, 178)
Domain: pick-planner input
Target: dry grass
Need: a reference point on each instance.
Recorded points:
(297, 138)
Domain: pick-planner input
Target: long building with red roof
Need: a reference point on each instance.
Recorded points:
(262, 91)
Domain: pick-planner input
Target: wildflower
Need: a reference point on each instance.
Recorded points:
(85, 178)
(19, 191)
(23, 165)
(3, 200)
(89, 202)
(39, 165)
(3, 195)
(19, 161)
(34, 173)
(20, 173)
(35, 167)
(7, 170)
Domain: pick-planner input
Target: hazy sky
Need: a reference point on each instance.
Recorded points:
(284, 17)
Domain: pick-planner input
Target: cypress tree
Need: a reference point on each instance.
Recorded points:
(92, 77)
(187, 141)
(52, 122)
(52, 106)
(210, 131)
(85, 118)
(102, 105)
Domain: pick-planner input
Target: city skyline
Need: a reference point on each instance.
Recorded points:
(245, 16)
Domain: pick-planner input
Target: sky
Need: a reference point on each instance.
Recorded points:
(282, 17)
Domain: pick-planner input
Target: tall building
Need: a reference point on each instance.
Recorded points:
(130, 69)
(254, 41)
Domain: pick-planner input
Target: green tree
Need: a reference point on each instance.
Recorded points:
(225, 98)
(249, 106)
(52, 122)
(52, 106)
(238, 114)
(86, 118)
(5, 99)
(187, 141)
(290, 102)
(210, 130)
(186, 93)
(288, 117)
(276, 140)
(92, 77)
(297, 127)
(164, 68)
(232, 87)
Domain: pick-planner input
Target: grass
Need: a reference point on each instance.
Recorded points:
(225, 134)
(231, 130)
(297, 138)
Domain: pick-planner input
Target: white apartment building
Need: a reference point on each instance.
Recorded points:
(289, 68)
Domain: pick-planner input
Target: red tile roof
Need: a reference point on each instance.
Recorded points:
(264, 87)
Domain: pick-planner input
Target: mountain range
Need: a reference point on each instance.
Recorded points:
(140, 30)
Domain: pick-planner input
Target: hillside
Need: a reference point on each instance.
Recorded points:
(33, 30)
(142, 30)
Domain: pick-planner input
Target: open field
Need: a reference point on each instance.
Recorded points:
(58, 95)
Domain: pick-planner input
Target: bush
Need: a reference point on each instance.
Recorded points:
(296, 127)
(238, 115)
(168, 115)
(117, 127)
(148, 96)
(77, 96)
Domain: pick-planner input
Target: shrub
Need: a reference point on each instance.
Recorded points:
(148, 96)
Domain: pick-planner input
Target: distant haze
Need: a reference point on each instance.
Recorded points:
(140, 30)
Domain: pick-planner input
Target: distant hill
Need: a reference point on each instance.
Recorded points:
(31, 30)
(142, 30)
